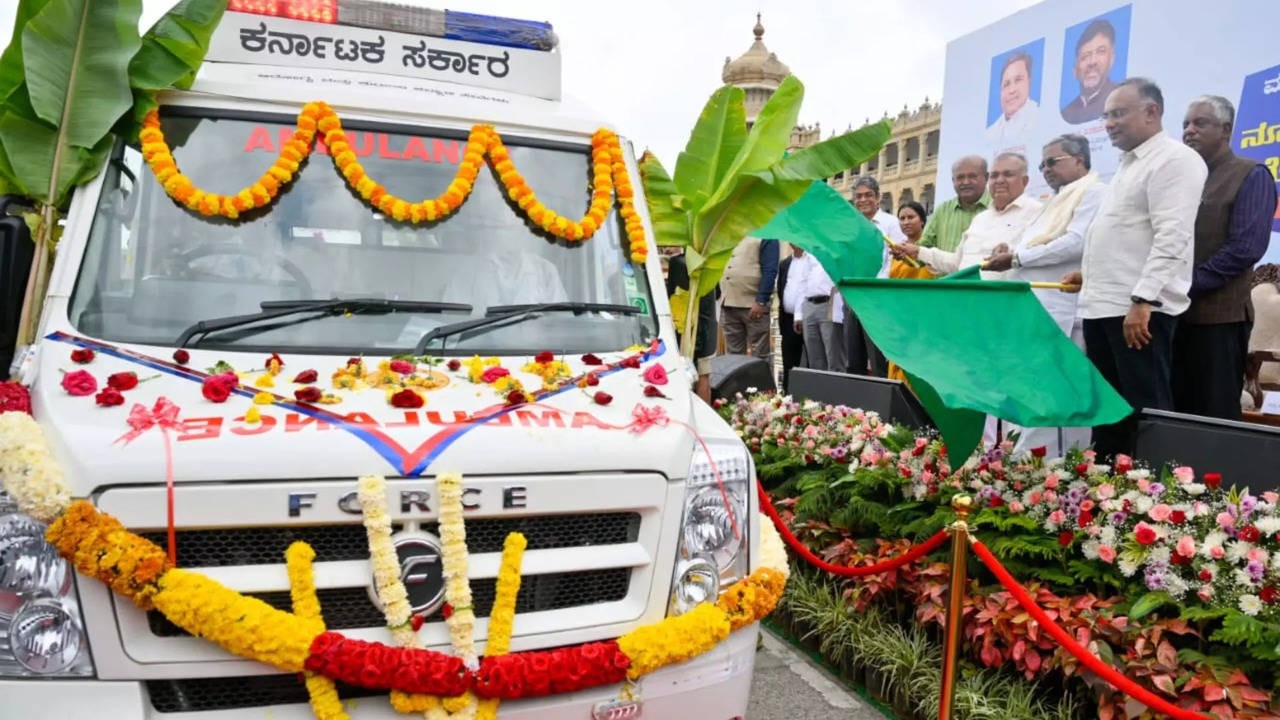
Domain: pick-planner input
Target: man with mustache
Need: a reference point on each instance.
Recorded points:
(1095, 54)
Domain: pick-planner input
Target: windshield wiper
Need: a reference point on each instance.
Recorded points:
(279, 308)
(500, 315)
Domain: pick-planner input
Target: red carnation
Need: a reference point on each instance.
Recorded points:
(1213, 480)
(1082, 469)
(1250, 533)
(454, 364)
(1177, 517)
(401, 366)
(306, 376)
(406, 398)
(353, 361)
(544, 357)
(308, 394)
(1124, 464)
(276, 357)
(182, 357)
(217, 388)
(1039, 451)
(1066, 537)
(592, 379)
(996, 501)
(82, 355)
(590, 359)
(493, 373)
(415, 621)
(79, 382)
(123, 381)
(1085, 518)
(602, 398)
(516, 397)
(447, 611)
(14, 398)
(1145, 534)
(108, 397)
(1205, 575)
(1269, 595)
(1177, 559)
(651, 391)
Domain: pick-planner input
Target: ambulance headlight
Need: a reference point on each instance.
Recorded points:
(714, 529)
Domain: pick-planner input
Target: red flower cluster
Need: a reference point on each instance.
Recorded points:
(402, 367)
(535, 674)
(1144, 534)
(493, 373)
(632, 362)
(109, 397)
(516, 397)
(306, 376)
(651, 391)
(406, 398)
(602, 398)
(308, 394)
(1066, 537)
(1250, 533)
(544, 357)
(217, 388)
(1082, 469)
(82, 355)
(14, 398)
(454, 364)
(1269, 595)
(1213, 480)
(123, 381)
(276, 357)
(1177, 517)
(182, 357)
(382, 667)
(1039, 452)
(590, 359)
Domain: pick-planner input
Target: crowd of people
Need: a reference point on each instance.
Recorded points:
(1155, 267)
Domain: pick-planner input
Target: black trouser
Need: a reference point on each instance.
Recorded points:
(1208, 368)
(859, 351)
(1142, 377)
(792, 346)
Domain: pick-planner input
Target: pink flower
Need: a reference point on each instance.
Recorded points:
(402, 367)
(1144, 485)
(1271, 497)
(1086, 505)
(1225, 520)
(1257, 555)
(1184, 474)
(79, 382)
(1199, 508)
(996, 466)
(1160, 513)
(1186, 546)
(1016, 507)
(1106, 553)
(1205, 593)
(655, 374)
(1106, 491)
(1216, 552)
(493, 373)
(1051, 482)
(1050, 496)
(1057, 516)
(1124, 464)
(1035, 497)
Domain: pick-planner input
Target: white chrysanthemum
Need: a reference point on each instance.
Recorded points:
(1138, 474)
(1268, 524)
(1143, 504)
(1238, 550)
(1275, 559)
(1108, 535)
(1250, 604)
(773, 553)
(1194, 489)
(1090, 549)
(1175, 585)
(1241, 578)
(1054, 463)
(1160, 555)
(1127, 567)
(1214, 539)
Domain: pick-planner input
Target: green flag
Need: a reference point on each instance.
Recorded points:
(822, 222)
(972, 347)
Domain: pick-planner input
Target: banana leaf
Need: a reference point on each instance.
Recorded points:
(670, 221)
(713, 147)
(11, 75)
(171, 54)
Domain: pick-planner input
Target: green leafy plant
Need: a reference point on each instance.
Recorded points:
(730, 180)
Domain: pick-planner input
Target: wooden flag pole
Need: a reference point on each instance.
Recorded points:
(1054, 286)
(906, 259)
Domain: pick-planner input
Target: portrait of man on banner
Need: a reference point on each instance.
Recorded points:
(1014, 98)
(1094, 59)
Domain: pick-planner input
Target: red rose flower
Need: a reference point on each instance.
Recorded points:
(82, 355)
(306, 376)
(182, 357)
(1123, 464)
(544, 357)
(590, 359)
(1205, 575)
(1082, 469)
(1177, 517)
(493, 373)
(1269, 595)
(406, 398)
(1084, 519)
(454, 364)
(1145, 534)
(79, 382)
(1177, 559)
(309, 394)
(123, 381)
(632, 362)
(401, 366)
(1250, 533)
(602, 398)
(14, 397)
(276, 357)
(1066, 537)
(108, 397)
(1039, 451)
(447, 611)
(353, 361)
(593, 379)
(996, 501)
(651, 391)
(655, 374)
(217, 388)
(1213, 480)
(516, 397)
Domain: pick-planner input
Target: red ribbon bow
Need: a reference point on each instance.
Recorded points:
(643, 418)
(164, 415)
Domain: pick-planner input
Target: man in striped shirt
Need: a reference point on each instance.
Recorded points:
(950, 219)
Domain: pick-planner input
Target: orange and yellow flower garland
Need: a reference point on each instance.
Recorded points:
(298, 558)
(609, 179)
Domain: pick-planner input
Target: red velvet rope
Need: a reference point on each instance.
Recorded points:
(911, 555)
(1091, 661)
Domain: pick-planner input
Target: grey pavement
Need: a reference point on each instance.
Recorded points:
(787, 685)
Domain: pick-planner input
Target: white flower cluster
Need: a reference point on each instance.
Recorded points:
(31, 476)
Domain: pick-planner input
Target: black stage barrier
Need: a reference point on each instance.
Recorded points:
(1244, 453)
(890, 398)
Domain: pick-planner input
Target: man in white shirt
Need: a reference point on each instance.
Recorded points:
(1051, 246)
(1018, 111)
(1010, 213)
(1138, 254)
(823, 341)
(860, 352)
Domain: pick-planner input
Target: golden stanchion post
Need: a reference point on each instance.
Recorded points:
(963, 505)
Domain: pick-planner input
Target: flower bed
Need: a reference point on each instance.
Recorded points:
(1166, 574)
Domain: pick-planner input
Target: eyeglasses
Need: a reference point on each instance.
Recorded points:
(1051, 161)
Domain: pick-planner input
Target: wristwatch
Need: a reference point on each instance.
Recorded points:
(1015, 263)
(1143, 301)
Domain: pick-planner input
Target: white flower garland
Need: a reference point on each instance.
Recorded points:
(457, 588)
(29, 472)
(773, 553)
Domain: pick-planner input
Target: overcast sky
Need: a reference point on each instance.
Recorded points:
(648, 66)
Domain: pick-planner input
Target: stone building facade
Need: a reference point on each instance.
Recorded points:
(907, 167)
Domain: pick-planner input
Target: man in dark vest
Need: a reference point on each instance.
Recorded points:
(1233, 227)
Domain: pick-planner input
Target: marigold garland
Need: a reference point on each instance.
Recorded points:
(674, 640)
(503, 616)
(609, 179)
(29, 473)
(99, 546)
(325, 703)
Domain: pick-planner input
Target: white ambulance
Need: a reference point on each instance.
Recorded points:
(625, 527)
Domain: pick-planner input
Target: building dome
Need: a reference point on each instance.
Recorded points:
(757, 66)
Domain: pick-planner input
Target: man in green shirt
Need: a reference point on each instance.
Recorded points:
(951, 218)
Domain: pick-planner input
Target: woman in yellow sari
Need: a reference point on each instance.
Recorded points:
(911, 216)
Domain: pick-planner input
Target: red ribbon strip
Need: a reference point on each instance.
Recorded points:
(915, 553)
(163, 415)
(1091, 661)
